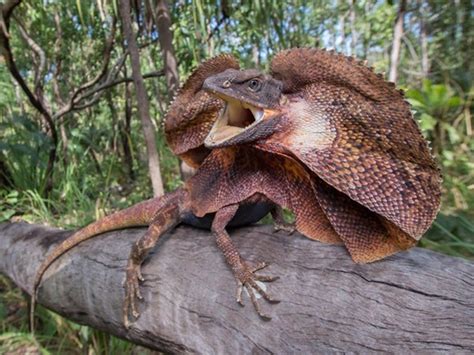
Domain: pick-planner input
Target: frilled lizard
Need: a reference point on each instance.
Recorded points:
(322, 135)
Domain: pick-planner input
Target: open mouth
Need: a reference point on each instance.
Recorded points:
(236, 118)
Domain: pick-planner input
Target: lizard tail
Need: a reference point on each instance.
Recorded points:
(140, 214)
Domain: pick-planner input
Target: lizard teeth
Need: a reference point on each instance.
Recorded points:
(257, 113)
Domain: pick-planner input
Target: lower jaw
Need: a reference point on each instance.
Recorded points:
(225, 133)
(242, 118)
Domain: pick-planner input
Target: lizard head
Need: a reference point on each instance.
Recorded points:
(251, 99)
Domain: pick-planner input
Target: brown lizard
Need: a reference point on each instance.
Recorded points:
(187, 122)
(371, 169)
(323, 136)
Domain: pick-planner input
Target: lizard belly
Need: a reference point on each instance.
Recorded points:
(246, 214)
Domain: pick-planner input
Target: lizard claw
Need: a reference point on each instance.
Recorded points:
(132, 293)
(279, 222)
(283, 226)
(248, 279)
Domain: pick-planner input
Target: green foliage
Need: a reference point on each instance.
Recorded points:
(445, 117)
(442, 112)
(435, 102)
(24, 148)
(451, 234)
(10, 199)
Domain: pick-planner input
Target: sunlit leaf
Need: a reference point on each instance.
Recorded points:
(452, 133)
(427, 122)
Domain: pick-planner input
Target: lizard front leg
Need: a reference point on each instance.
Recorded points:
(244, 273)
(166, 218)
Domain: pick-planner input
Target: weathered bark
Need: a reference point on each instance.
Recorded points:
(411, 302)
(170, 63)
(142, 101)
(397, 41)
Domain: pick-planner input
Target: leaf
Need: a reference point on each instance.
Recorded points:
(448, 155)
(439, 93)
(452, 133)
(415, 95)
(415, 103)
(426, 85)
(454, 101)
(427, 122)
(12, 197)
(5, 215)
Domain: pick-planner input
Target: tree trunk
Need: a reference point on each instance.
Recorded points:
(142, 100)
(416, 301)
(126, 132)
(425, 63)
(397, 41)
(163, 23)
(170, 63)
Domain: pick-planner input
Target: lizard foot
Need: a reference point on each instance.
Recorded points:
(247, 278)
(132, 293)
(279, 223)
(283, 226)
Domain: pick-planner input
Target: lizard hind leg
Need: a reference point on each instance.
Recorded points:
(165, 219)
(141, 214)
(279, 223)
(244, 273)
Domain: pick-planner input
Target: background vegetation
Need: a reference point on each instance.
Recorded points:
(75, 150)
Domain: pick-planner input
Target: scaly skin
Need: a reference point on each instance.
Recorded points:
(322, 136)
(371, 170)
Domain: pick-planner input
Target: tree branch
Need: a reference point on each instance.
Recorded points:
(36, 48)
(6, 10)
(99, 90)
(105, 64)
(143, 104)
(109, 82)
(416, 301)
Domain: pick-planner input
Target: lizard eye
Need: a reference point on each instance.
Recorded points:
(254, 85)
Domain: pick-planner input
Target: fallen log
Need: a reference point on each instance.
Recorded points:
(413, 301)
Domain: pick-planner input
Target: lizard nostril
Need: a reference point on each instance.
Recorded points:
(226, 84)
